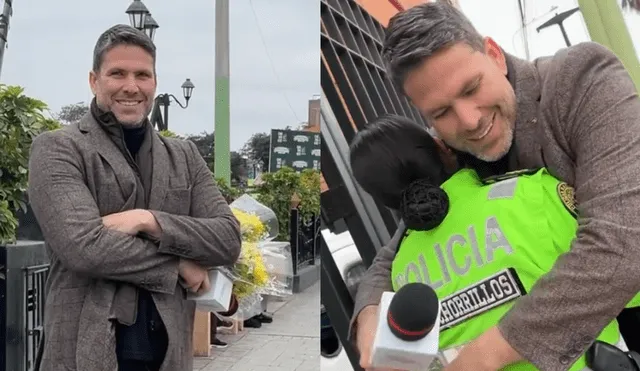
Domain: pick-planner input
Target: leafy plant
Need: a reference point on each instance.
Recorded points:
(309, 192)
(21, 119)
(228, 192)
(169, 134)
(278, 190)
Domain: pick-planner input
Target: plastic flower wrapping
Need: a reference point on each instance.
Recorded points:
(264, 267)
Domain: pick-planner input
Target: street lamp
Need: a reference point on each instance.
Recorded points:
(164, 100)
(137, 12)
(4, 27)
(150, 26)
(140, 18)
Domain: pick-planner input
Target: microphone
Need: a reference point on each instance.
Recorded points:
(408, 330)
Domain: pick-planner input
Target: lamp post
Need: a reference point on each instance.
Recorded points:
(164, 100)
(558, 20)
(141, 19)
(7, 12)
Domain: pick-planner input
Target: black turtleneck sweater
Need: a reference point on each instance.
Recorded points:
(140, 341)
(133, 138)
(145, 340)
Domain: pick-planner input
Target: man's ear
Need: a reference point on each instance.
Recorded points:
(495, 53)
(92, 81)
(447, 156)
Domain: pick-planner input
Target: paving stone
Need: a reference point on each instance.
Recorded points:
(290, 343)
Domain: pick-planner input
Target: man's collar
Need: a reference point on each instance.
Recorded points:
(526, 81)
(105, 120)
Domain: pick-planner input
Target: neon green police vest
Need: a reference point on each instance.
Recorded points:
(493, 245)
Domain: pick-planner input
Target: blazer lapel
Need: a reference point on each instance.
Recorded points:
(160, 175)
(528, 151)
(108, 150)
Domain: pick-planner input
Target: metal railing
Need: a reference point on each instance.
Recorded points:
(304, 239)
(22, 291)
(35, 279)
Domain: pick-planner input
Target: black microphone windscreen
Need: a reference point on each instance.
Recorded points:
(413, 311)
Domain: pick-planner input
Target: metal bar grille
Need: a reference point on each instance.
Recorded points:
(22, 308)
(356, 89)
(304, 239)
(34, 294)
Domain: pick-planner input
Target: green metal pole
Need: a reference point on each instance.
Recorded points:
(222, 146)
(607, 27)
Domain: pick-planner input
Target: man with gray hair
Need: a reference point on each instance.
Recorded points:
(131, 220)
(577, 113)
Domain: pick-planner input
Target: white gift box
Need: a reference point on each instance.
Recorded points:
(218, 298)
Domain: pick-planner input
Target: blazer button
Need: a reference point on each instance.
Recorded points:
(564, 360)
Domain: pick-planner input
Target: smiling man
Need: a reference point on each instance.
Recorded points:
(125, 83)
(479, 119)
(577, 113)
(130, 220)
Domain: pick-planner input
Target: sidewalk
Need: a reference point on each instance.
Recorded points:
(290, 343)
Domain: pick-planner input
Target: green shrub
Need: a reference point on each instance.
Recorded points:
(21, 119)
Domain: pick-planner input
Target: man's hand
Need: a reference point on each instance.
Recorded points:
(366, 331)
(489, 352)
(195, 278)
(133, 222)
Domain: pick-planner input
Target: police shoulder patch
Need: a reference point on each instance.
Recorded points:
(493, 291)
(509, 175)
(568, 197)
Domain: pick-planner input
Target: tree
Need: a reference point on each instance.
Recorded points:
(205, 143)
(257, 148)
(72, 113)
(21, 119)
(238, 167)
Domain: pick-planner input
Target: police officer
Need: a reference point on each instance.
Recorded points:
(479, 243)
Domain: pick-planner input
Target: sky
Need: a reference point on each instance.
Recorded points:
(274, 57)
(499, 19)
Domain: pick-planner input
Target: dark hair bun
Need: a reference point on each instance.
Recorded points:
(424, 205)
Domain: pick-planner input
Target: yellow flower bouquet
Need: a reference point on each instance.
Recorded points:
(258, 271)
(250, 272)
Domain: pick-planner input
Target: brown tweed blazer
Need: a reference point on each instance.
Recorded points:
(76, 176)
(578, 115)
